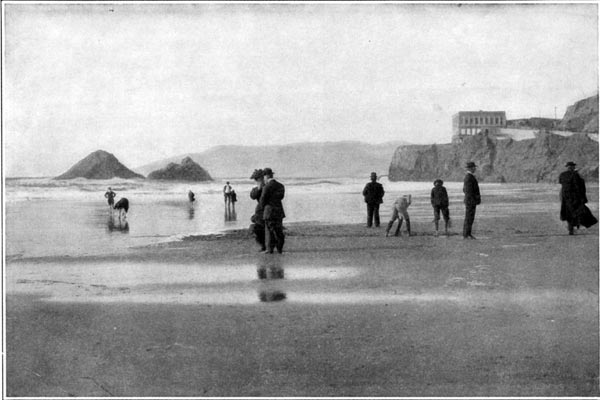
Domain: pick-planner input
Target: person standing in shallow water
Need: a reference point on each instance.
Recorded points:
(373, 194)
(110, 195)
(472, 199)
(258, 222)
(273, 214)
(572, 196)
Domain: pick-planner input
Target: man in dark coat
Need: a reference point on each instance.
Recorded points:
(373, 193)
(270, 202)
(472, 199)
(572, 196)
(258, 222)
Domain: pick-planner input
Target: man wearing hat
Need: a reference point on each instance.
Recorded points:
(440, 203)
(572, 195)
(472, 199)
(373, 194)
(273, 214)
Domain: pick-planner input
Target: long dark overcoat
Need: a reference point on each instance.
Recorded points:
(572, 195)
(373, 193)
(471, 190)
(270, 200)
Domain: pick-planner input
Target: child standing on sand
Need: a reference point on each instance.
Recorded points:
(439, 202)
(400, 212)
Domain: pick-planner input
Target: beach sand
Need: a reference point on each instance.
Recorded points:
(344, 311)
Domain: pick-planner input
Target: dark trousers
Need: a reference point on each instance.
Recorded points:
(276, 237)
(372, 213)
(469, 219)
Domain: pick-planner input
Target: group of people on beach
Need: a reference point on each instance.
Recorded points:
(572, 194)
(122, 205)
(267, 220)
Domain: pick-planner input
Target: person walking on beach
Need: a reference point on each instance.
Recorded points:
(258, 222)
(273, 214)
(110, 195)
(400, 212)
(439, 202)
(191, 196)
(572, 196)
(373, 194)
(472, 199)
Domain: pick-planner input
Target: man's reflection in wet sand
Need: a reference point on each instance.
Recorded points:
(117, 224)
(270, 271)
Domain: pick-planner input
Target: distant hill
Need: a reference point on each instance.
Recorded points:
(99, 165)
(302, 160)
(188, 170)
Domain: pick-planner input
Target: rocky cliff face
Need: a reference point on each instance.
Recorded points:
(99, 165)
(535, 160)
(188, 170)
(581, 116)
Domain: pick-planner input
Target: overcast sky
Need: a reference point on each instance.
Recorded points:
(149, 81)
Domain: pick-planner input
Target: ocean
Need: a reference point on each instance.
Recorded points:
(46, 217)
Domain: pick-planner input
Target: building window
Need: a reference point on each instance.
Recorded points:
(486, 120)
(476, 121)
(496, 121)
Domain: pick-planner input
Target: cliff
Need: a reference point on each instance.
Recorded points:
(188, 170)
(300, 160)
(534, 160)
(581, 116)
(99, 165)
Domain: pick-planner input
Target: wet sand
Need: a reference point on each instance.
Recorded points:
(344, 311)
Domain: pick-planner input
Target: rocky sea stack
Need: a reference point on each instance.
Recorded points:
(99, 165)
(188, 170)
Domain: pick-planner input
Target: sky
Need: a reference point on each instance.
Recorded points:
(147, 81)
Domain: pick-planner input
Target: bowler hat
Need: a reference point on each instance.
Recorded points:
(373, 174)
(441, 182)
(570, 164)
(470, 164)
(268, 171)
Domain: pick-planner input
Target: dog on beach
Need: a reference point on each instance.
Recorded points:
(123, 206)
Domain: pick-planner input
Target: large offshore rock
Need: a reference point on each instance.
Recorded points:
(188, 170)
(99, 165)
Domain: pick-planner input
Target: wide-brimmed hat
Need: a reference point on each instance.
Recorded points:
(441, 182)
(470, 164)
(268, 171)
(257, 174)
(570, 164)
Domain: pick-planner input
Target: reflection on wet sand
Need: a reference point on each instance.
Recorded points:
(191, 211)
(230, 215)
(269, 271)
(117, 224)
(274, 295)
